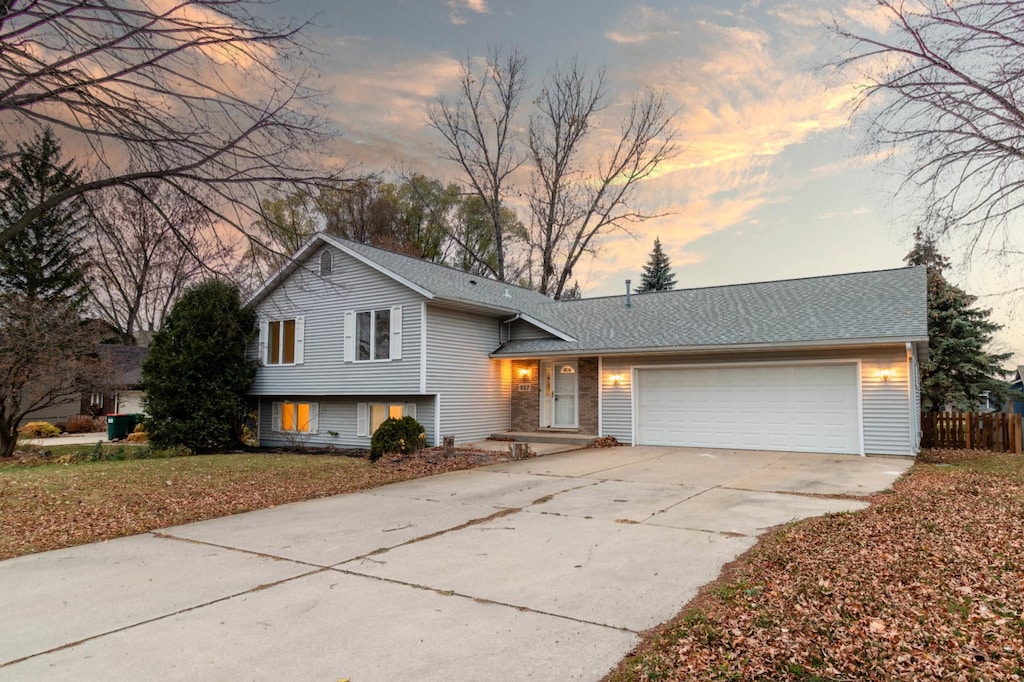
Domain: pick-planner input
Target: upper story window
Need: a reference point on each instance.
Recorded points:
(281, 341)
(326, 262)
(373, 335)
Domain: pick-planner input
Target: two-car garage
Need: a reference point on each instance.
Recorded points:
(800, 407)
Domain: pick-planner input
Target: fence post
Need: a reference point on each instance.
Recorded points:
(1017, 435)
(970, 428)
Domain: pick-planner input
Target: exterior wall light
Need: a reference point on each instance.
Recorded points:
(524, 374)
(885, 374)
(616, 379)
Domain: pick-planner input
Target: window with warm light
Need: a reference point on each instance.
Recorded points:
(295, 417)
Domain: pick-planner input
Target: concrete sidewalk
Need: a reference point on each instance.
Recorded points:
(541, 569)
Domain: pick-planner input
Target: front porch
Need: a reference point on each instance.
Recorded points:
(555, 399)
(547, 436)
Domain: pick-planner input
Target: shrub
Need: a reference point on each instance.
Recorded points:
(39, 430)
(139, 435)
(399, 436)
(83, 423)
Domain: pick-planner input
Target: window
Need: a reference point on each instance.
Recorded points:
(295, 417)
(326, 262)
(281, 341)
(373, 335)
(369, 416)
(96, 400)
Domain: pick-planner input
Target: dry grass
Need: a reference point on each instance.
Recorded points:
(926, 584)
(47, 506)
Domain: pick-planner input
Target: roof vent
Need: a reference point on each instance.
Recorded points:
(628, 304)
(472, 281)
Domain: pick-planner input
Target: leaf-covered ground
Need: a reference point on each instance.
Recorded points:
(925, 584)
(47, 506)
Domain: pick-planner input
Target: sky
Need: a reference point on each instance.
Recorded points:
(774, 179)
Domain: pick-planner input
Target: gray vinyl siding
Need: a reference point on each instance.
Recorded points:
(886, 406)
(474, 391)
(338, 414)
(323, 302)
(521, 330)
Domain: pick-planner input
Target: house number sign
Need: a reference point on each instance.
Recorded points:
(525, 387)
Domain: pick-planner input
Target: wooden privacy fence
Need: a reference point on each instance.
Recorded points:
(971, 431)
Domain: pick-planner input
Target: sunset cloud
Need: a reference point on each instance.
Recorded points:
(455, 7)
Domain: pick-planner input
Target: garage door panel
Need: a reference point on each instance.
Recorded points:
(811, 408)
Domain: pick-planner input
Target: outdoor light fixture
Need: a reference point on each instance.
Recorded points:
(886, 374)
(616, 379)
(524, 374)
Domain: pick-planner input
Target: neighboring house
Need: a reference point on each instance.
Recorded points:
(123, 394)
(351, 334)
(1016, 402)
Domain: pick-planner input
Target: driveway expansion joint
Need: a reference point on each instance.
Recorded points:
(483, 600)
(171, 614)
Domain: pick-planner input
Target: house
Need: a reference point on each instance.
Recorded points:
(122, 392)
(351, 335)
(1015, 403)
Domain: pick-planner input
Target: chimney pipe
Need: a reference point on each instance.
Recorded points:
(628, 304)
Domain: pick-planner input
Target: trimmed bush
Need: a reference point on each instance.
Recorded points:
(39, 430)
(397, 436)
(83, 423)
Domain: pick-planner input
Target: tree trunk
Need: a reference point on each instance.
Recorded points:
(8, 439)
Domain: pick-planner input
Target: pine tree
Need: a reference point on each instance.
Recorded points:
(46, 261)
(657, 274)
(196, 374)
(959, 368)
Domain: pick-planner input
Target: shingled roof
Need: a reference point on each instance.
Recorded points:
(865, 307)
(884, 306)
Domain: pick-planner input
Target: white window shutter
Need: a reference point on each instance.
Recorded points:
(350, 336)
(264, 335)
(275, 417)
(396, 332)
(410, 410)
(314, 417)
(300, 334)
(362, 420)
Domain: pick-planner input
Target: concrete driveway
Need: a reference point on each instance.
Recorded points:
(543, 569)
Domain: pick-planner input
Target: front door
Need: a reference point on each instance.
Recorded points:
(560, 396)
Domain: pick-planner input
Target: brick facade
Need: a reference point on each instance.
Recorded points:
(525, 401)
(589, 384)
(525, 406)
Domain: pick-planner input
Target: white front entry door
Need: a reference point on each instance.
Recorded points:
(559, 399)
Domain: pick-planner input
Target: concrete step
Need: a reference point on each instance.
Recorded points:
(546, 436)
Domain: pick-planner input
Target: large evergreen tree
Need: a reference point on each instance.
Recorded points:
(657, 274)
(46, 261)
(196, 374)
(959, 369)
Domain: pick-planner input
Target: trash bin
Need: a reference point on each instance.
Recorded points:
(119, 426)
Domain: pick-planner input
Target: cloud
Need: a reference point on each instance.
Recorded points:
(744, 102)
(642, 25)
(454, 7)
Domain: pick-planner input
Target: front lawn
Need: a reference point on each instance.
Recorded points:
(53, 505)
(927, 583)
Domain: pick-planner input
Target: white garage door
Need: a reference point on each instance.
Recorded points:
(802, 408)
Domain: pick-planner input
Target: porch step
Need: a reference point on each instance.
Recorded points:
(561, 437)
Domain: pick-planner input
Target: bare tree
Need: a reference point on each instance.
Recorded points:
(574, 198)
(477, 126)
(47, 357)
(148, 243)
(185, 93)
(947, 77)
